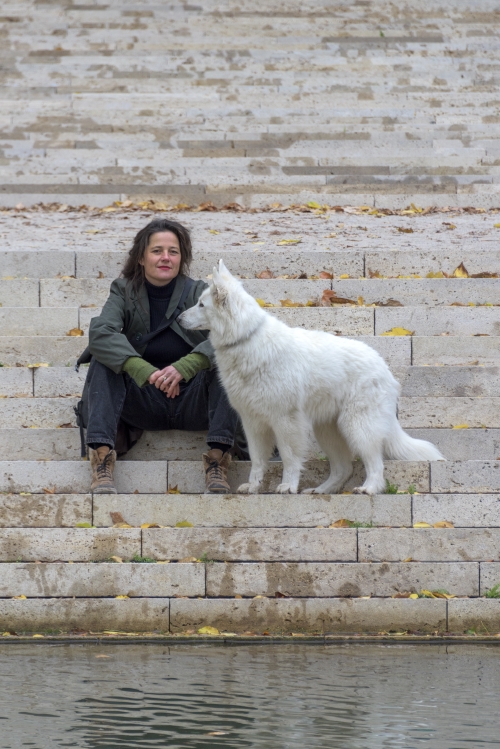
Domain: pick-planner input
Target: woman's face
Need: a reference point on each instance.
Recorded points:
(162, 259)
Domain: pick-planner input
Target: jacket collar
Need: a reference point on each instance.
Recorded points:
(141, 301)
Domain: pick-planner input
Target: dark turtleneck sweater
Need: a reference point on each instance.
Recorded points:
(167, 347)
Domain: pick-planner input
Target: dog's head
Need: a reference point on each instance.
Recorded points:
(224, 308)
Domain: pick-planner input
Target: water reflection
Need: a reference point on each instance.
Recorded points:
(282, 697)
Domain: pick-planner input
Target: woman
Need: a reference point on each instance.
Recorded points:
(156, 382)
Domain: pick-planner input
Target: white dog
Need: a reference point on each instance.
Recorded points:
(284, 380)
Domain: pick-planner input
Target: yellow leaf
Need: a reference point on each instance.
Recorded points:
(422, 525)
(439, 274)
(109, 209)
(262, 303)
(460, 272)
(290, 241)
(38, 635)
(122, 525)
(414, 595)
(461, 426)
(75, 332)
(119, 560)
(361, 301)
(187, 560)
(214, 231)
(313, 204)
(39, 364)
(497, 226)
(289, 303)
(408, 559)
(150, 525)
(397, 331)
(184, 524)
(173, 490)
(443, 524)
(208, 631)
(404, 230)
(84, 525)
(344, 275)
(427, 594)
(342, 523)
(19, 598)
(122, 598)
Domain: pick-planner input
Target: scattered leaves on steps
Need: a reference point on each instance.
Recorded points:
(397, 331)
(208, 631)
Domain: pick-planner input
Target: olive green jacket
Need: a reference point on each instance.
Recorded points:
(115, 335)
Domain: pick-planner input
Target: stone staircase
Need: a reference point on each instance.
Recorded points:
(353, 111)
(266, 563)
(355, 103)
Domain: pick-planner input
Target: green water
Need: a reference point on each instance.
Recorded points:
(267, 697)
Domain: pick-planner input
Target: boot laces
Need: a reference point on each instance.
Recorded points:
(104, 468)
(215, 470)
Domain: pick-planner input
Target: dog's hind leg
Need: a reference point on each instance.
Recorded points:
(291, 441)
(260, 440)
(365, 438)
(338, 453)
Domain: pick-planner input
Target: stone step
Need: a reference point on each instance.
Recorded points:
(68, 544)
(150, 477)
(313, 579)
(428, 544)
(64, 444)
(55, 382)
(426, 412)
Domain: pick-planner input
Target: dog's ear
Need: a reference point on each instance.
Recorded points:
(219, 294)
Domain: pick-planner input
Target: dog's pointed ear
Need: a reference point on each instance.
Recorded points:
(222, 267)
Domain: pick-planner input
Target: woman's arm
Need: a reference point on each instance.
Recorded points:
(107, 342)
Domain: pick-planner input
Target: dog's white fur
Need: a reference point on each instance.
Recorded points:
(284, 380)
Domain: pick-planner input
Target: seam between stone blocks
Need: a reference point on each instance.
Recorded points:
(446, 615)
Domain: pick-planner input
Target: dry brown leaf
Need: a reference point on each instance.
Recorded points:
(443, 524)
(403, 230)
(265, 274)
(484, 274)
(330, 298)
(75, 332)
(65, 426)
(185, 560)
(460, 272)
(49, 491)
(289, 303)
(325, 274)
(342, 523)
(150, 525)
(389, 303)
(117, 517)
(173, 490)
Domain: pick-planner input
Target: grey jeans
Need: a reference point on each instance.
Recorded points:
(202, 404)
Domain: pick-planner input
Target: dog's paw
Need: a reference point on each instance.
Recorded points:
(248, 489)
(362, 490)
(285, 489)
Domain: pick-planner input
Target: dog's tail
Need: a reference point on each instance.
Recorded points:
(400, 446)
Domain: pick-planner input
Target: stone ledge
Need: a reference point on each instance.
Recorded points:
(68, 544)
(325, 615)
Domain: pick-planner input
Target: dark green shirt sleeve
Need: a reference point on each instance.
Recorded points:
(139, 370)
(191, 364)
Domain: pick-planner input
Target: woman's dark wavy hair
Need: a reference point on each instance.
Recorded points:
(134, 272)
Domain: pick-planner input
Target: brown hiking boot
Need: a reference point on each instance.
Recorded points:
(216, 463)
(103, 462)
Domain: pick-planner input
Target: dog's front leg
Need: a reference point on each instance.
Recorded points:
(260, 441)
(290, 438)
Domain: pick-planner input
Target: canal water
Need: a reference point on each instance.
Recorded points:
(264, 697)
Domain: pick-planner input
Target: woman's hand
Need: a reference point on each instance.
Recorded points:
(167, 380)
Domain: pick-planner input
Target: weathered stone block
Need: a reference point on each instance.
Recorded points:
(428, 544)
(463, 510)
(45, 510)
(75, 544)
(470, 476)
(479, 614)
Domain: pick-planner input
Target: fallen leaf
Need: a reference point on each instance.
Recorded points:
(122, 598)
(208, 631)
(460, 272)
(325, 274)
(122, 525)
(184, 524)
(427, 594)
(101, 274)
(443, 524)
(19, 598)
(422, 525)
(119, 560)
(439, 274)
(389, 303)
(187, 560)
(330, 298)
(403, 230)
(484, 274)
(39, 364)
(38, 636)
(408, 559)
(448, 225)
(497, 226)
(75, 332)
(214, 231)
(342, 523)
(84, 525)
(344, 275)
(117, 517)
(216, 733)
(65, 426)
(290, 241)
(265, 274)
(49, 491)
(173, 490)
(413, 596)
(238, 597)
(150, 525)
(461, 426)
(397, 331)
(289, 303)
(279, 595)
(313, 204)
